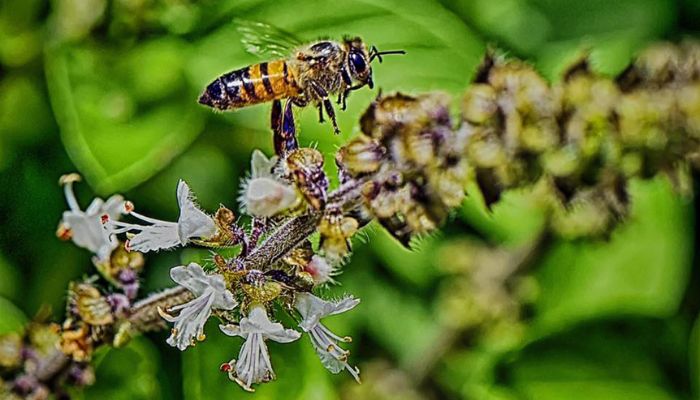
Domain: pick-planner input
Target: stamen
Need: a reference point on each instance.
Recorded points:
(70, 196)
(150, 220)
(165, 316)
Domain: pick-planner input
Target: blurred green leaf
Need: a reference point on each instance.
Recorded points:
(24, 113)
(593, 362)
(515, 219)
(12, 319)
(415, 266)
(641, 270)
(206, 170)
(127, 373)
(119, 138)
(694, 359)
(10, 285)
(586, 390)
(397, 319)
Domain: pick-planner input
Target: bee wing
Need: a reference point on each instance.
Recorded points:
(264, 40)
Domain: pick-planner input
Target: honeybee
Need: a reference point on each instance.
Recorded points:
(302, 74)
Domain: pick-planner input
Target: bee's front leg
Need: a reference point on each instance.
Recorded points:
(323, 94)
(347, 91)
(347, 81)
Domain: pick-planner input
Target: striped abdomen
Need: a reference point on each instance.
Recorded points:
(251, 85)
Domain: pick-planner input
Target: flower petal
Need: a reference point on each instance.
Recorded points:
(193, 222)
(313, 308)
(191, 276)
(155, 237)
(260, 165)
(258, 322)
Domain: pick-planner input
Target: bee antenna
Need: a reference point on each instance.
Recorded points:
(375, 53)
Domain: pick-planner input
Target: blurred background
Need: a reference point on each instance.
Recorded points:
(482, 310)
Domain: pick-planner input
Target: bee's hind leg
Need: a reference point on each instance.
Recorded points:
(327, 104)
(283, 128)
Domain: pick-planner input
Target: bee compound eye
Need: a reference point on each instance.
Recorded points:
(358, 63)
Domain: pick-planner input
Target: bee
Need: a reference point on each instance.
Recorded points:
(302, 74)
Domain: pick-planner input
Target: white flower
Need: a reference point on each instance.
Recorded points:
(264, 194)
(253, 364)
(321, 271)
(210, 292)
(325, 342)
(192, 223)
(85, 227)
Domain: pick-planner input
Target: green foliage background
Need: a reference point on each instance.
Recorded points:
(109, 88)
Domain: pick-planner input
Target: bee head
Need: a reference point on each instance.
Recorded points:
(358, 61)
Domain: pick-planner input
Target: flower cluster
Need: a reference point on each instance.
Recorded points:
(241, 293)
(26, 358)
(584, 137)
(412, 161)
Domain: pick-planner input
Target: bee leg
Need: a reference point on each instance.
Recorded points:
(276, 125)
(285, 139)
(320, 113)
(331, 114)
(323, 94)
(347, 91)
(347, 80)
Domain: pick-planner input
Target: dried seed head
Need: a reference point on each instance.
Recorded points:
(305, 168)
(423, 171)
(361, 156)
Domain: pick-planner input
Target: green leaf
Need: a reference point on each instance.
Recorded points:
(124, 113)
(586, 390)
(127, 373)
(694, 358)
(596, 361)
(515, 219)
(12, 319)
(642, 270)
(10, 285)
(414, 266)
(397, 319)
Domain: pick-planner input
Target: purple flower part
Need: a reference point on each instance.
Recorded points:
(128, 278)
(25, 384)
(120, 304)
